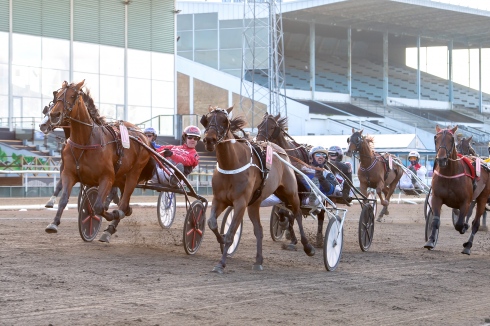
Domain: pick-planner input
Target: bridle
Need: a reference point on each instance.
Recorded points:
(221, 131)
(443, 146)
(67, 107)
(357, 141)
(264, 132)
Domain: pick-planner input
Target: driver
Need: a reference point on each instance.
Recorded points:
(335, 156)
(418, 169)
(151, 134)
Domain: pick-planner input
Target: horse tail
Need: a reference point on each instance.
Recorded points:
(147, 172)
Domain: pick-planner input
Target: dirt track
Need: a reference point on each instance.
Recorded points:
(144, 276)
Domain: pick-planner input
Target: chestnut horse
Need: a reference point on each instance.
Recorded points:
(94, 155)
(453, 186)
(242, 181)
(373, 171)
(272, 128)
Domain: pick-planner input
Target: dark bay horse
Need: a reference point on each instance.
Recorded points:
(272, 128)
(94, 155)
(464, 147)
(239, 181)
(453, 185)
(373, 171)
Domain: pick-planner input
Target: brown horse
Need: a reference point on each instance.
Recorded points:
(373, 170)
(453, 185)
(94, 155)
(272, 128)
(464, 147)
(242, 181)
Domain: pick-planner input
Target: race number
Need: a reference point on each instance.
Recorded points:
(390, 162)
(124, 135)
(268, 157)
(478, 166)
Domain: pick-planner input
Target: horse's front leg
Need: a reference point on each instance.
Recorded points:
(68, 184)
(239, 210)
(475, 225)
(217, 208)
(461, 224)
(307, 247)
(436, 205)
(254, 215)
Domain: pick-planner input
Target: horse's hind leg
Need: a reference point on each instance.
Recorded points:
(68, 184)
(319, 233)
(253, 214)
(475, 225)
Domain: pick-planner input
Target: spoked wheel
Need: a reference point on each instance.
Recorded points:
(194, 227)
(166, 209)
(374, 202)
(428, 229)
(88, 222)
(80, 195)
(276, 231)
(427, 204)
(225, 225)
(366, 227)
(333, 244)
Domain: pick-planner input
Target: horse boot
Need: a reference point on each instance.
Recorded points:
(431, 243)
(284, 216)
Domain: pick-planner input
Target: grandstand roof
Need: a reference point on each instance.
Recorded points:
(423, 18)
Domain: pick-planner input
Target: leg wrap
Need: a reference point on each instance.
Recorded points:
(436, 222)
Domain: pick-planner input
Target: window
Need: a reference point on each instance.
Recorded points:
(86, 57)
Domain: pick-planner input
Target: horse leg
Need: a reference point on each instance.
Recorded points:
(436, 221)
(254, 215)
(68, 184)
(464, 214)
(112, 196)
(239, 210)
(56, 192)
(319, 232)
(475, 225)
(384, 202)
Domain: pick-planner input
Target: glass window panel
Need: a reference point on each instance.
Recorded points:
(230, 39)
(230, 59)
(208, 58)
(91, 83)
(184, 22)
(187, 55)
(185, 41)
(261, 35)
(234, 23)
(108, 111)
(31, 107)
(234, 72)
(4, 80)
(111, 89)
(56, 53)
(162, 66)
(4, 110)
(26, 50)
(139, 92)
(138, 114)
(206, 21)
(206, 40)
(52, 80)
(111, 60)
(162, 94)
(26, 81)
(86, 57)
(4, 47)
(139, 64)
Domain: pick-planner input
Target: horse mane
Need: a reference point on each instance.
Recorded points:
(237, 124)
(92, 109)
(370, 140)
(281, 122)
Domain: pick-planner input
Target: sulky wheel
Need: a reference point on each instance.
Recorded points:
(225, 225)
(366, 227)
(276, 231)
(194, 227)
(88, 222)
(373, 201)
(428, 228)
(333, 244)
(166, 209)
(83, 188)
(427, 204)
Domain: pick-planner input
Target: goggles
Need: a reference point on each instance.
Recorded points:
(149, 135)
(193, 137)
(321, 155)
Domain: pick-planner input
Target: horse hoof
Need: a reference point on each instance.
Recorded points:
(258, 267)
(289, 247)
(218, 270)
(49, 205)
(430, 245)
(309, 250)
(105, 237)
(466, 251)
(52, 228)
(379, 219)
(129, 211)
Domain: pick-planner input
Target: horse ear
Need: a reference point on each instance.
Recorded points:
(210, 108)
(204, 121)
(353, 130)
(80, 84)
(277, 117)
(65, 83)
(437, 128)
(469, 139)
(454, 129)
(360, 131)
(229, 109)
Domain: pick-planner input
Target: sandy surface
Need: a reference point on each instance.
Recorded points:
(144, 277)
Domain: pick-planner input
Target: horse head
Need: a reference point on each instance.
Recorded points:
(217, 126)
(64, 102)
(270, 127)
(444, 144)
(464, 147)
(45, 126)
(354, 142)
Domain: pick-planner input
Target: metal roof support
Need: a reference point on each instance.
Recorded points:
(418, 69)
(312, 60)
(480, 102)
(450, 72)
(10, 87)
(385, 68)
(349, 61)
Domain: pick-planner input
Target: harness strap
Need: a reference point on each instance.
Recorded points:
(453, 176)
(93, 146)
(371, 166)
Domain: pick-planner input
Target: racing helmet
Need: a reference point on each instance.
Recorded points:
(336, 150)
(318, 149)
(151, 131)
(414, 154)
(191, 131)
